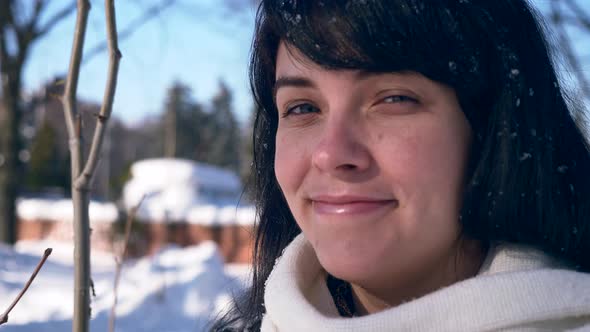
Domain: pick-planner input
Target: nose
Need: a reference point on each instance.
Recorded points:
(342, 147)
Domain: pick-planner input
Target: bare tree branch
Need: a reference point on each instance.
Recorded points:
(107, 103)
(580, 15)
(4, 57)
(5, 21)
(56, 18)
(130, 218)
(6, 7)
(4, 316)
(147, 15)
(26, 33)
(69, 98)
(565, 47)
(37, 9)
(571, 20)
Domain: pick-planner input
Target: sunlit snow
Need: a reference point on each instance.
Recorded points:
(175, 290)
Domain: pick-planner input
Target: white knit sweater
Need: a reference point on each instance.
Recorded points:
(517, 289)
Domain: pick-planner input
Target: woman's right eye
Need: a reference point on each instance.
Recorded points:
(300, 109)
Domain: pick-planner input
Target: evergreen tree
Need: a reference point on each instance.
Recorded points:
(182, 121)
(47, 167)
(247, 154)
(189, 132)
(222, 133)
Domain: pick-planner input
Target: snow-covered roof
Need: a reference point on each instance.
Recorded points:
(183, 190)
(165, 171)
(35, 209)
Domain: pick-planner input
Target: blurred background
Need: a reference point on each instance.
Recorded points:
(179, 141)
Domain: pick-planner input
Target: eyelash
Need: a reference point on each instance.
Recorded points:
(387, 100)
(399, 99)
(290, 109)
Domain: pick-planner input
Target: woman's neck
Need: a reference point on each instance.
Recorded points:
(458, 267)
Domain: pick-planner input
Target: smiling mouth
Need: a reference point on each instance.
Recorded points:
(351, 206)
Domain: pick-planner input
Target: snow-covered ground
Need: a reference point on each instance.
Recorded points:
(175, 290)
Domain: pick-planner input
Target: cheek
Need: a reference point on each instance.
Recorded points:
(439, 159)
(289, 164)
(447, 154)
(431, 163)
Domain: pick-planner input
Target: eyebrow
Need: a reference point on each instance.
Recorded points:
(304, 82)
(292, 81)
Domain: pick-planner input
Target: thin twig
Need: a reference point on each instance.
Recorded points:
(69, 98)
(129, 221)
(580, 14)
(132, 27)
(56, 18)
(109, 94)
(37, 9)
(567, 51)
(4, 316)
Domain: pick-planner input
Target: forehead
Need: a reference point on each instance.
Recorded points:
(291, 61)
(294, 69)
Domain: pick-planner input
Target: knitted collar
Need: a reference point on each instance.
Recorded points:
(516, 287)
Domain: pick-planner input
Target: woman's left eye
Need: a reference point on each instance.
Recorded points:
(398, 99)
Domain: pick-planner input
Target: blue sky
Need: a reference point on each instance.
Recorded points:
(197, 42)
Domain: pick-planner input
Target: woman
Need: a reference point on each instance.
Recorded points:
(417, 168)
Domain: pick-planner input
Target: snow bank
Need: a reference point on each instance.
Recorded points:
(175, 290)
(35, 209)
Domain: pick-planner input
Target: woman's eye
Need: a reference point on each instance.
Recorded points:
(399, 99)
(300, 109)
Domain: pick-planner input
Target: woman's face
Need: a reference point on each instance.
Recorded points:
(371, 166)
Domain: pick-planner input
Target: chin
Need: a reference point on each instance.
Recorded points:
(356, 267)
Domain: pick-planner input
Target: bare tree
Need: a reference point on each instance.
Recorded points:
(17, 34)
(21, 26)
(569, 13)
(83, 168)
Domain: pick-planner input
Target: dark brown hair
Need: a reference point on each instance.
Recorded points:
(527, 179)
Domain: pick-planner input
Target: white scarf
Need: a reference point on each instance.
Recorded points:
(517, 289)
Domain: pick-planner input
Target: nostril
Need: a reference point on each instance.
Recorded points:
(341, 152)
(347, 167)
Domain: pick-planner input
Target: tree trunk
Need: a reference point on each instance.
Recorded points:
(170, 134)
(10, 170)
(82, 309)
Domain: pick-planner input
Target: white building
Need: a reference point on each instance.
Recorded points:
(187, 203)
(173, 187)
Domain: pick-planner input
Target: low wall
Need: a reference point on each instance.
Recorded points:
(39, 229)
(235, 241)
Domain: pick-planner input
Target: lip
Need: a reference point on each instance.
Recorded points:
(350, 205)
